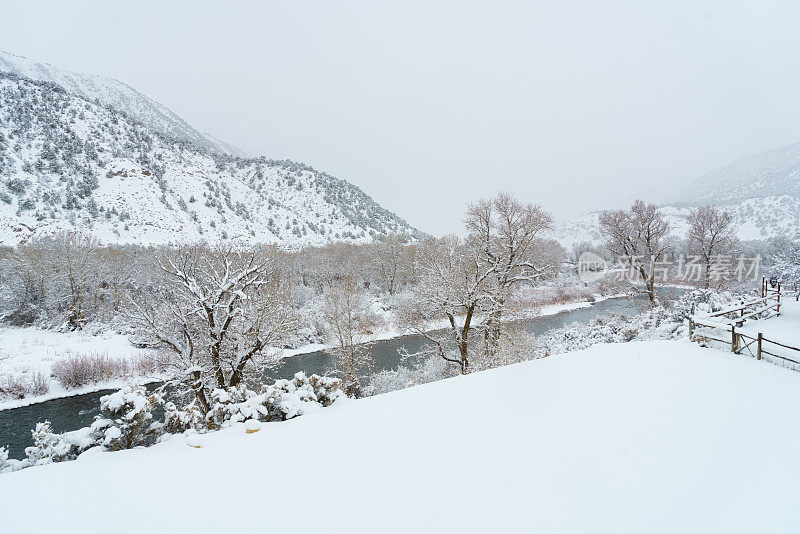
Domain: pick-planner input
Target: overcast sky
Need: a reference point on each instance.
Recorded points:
(430, 105)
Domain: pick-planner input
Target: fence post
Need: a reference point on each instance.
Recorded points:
(733, 338)
(758, 349)
(691, 328)
(779, 299)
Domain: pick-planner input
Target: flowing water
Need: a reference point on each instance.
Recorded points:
(70, 413)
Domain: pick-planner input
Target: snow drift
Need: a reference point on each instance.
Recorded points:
(659, 436)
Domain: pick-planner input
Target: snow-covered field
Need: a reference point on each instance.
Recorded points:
(659, 436)
(784, 329)
(26, 351)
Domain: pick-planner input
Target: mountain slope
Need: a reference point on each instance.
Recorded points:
(755, 218)
(760, 191)
(69, 163)
(767, 174)
(118, 96)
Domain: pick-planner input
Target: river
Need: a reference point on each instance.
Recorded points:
(70, 413)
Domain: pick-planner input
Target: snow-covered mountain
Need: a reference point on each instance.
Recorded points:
(768, 174)
(118, 96)
(761, 191)
(756, 218)
(68, 162)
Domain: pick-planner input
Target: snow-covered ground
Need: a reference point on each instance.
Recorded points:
(784, 329)
(659, 436)
(26, 351)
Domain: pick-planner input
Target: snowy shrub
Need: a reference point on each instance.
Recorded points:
(234, 405)
(14, 386)
(285, 399)
(8, 465)
(527, 297)
(657, 323)
(700, 301)
(47, 446)
(18, 385)
(126, 419)
(423, 371)
(178, 420)
(39, 384)
(82, 369)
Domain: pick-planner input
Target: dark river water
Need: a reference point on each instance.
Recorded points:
(70, 413)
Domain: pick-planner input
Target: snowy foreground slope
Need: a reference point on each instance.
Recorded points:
(640, 437)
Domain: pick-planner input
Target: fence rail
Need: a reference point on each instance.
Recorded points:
(726, 320)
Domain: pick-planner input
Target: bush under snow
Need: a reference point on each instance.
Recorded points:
(126, 418)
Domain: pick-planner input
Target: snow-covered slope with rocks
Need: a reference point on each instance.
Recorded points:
(118, 96)
(68, 163)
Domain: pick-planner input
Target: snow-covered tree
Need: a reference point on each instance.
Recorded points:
(786, 264)
(637, 236)
(349, 321)
(712, 234)
(505, 232)
(218, 311)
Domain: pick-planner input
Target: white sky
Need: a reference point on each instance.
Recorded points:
(430, 105)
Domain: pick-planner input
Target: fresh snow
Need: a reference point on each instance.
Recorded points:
(784, 329)
(118, 96)
(31, 349)
(71, 164)
(659, 436)
(755, 218)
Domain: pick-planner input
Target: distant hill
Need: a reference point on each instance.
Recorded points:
(773, 173)
(69, 161)
(118, 96)
(761, 191)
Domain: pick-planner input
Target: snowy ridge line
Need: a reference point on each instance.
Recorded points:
(118, 96)
(73, 165)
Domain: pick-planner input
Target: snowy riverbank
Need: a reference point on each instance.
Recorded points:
(660, 436)
(30, 350)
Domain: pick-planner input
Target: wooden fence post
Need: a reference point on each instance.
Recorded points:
(758, 349)
(779, 299)
(691, 328)
(733, 338)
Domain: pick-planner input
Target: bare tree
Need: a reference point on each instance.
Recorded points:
(388, 262)
(452, 287)
(639, 236)
(349, 323)
(218, 311)
(505, 232)
(712, 233)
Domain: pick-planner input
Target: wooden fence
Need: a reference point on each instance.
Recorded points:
(725, 323)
